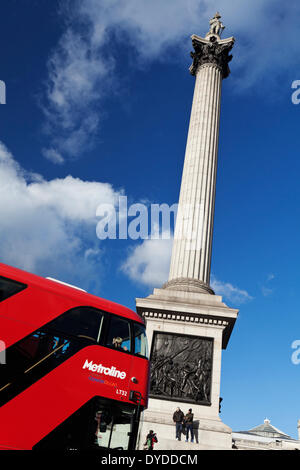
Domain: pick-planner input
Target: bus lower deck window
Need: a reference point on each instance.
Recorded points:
(140, 340)
(119, 334)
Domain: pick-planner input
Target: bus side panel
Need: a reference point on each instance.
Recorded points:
(34, 413)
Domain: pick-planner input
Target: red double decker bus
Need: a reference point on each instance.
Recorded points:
(74, 368)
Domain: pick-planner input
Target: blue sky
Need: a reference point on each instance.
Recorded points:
(98, 104)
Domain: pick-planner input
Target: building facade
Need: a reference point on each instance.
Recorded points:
(265, 437)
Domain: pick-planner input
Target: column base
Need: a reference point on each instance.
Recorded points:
(188, 285)
(209, 434)
(172, 305)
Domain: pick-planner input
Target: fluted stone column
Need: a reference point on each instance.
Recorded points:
(192, 247)
(187, 328)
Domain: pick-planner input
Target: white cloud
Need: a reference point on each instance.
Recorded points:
(48, 227)
(53, 155)
(76, 77)
(149, 262)
(230, 292)
(81, 69)
(266, 289)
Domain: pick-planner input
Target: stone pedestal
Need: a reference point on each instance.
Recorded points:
(185, 320)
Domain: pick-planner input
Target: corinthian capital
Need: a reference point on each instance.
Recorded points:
(211, 50)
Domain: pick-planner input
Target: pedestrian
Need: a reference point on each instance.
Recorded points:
(178, 417)
(151, 439)
(188, 419)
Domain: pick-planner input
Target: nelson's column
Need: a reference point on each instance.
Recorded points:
(187, 324)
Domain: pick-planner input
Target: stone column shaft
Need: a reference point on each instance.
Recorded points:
(192, 246)
(191, 255)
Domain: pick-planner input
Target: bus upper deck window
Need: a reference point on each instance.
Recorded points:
(82, 322)
(119, 334)
(8, 287)
(140, 340)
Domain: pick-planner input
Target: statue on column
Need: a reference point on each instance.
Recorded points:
(216, 26)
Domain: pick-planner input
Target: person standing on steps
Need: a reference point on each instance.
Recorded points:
(178, 417)
(189, 425)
